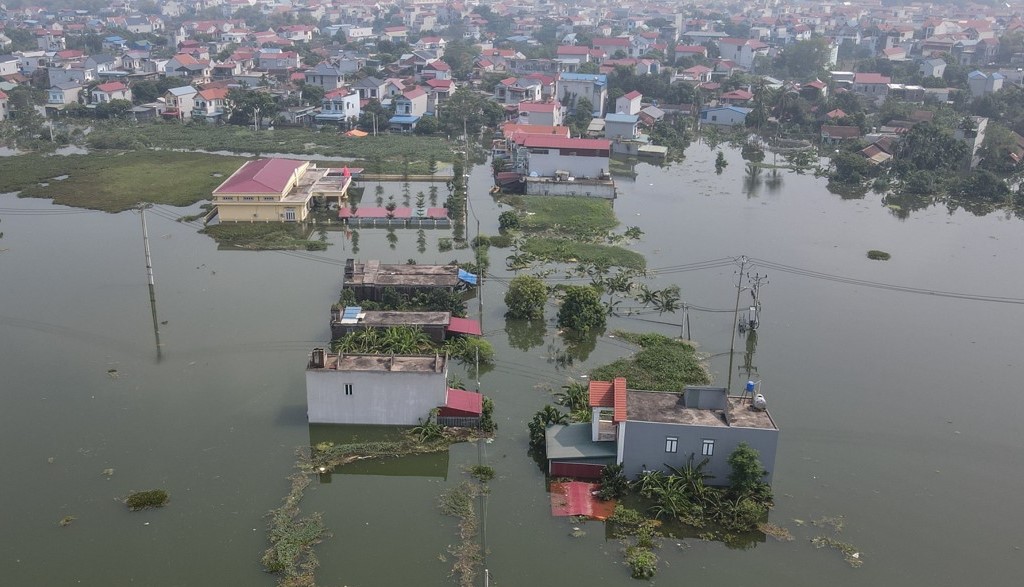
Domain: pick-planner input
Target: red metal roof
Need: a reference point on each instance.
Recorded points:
(633, 95)
(464, 326)
(262, 176)
(463, 403)
(577, 499)
(553, 142)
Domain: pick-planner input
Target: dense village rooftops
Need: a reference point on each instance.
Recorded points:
(657, 406)
(393, 363)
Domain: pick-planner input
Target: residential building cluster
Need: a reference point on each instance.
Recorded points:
(539, 59)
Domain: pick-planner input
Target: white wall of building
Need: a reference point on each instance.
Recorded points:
(378, 397)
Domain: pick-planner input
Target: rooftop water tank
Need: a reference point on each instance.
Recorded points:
(760, 403)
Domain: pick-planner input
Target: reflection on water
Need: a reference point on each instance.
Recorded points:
(525, 334)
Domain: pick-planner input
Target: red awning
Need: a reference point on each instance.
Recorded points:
(463, 403)
(464, 326)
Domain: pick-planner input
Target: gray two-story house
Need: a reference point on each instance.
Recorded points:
(653, 430)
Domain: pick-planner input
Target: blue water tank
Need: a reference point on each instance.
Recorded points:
(750, 386)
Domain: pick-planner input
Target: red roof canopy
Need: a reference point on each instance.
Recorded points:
(464, 326)
(463, 403)
(261, 176)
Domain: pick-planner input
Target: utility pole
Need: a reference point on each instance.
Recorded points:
(152, 283)
(735, 320)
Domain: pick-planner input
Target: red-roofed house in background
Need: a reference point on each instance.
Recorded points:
(874, 86)
(277, 190)
(111, 91)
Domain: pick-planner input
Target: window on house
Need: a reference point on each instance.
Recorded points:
(226, 198)
(248, 198)
(671, 443)
(348, 389)
(708, 449)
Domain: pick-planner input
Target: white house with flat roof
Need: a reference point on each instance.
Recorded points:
(396, 390)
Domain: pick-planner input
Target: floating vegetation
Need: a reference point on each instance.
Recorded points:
(51, 460)
(775, 531)
(482, 473)
(835, 523)
(108, 472)
(66, 521)
(293, 536)
(640, 535)
(458, 502)
(141, 500)
(578, 532)
(112, 373)
(850, 553)
(876, 255)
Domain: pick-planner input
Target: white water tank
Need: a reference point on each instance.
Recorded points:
(760, 403)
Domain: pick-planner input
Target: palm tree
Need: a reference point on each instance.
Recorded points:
(667, 300)
(551, 415)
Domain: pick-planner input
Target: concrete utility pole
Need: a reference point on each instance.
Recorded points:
(152, 283)
(735, 320)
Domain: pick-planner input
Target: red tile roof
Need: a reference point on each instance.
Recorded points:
(111, 87)
(262, 176)
(619, 390)
(601, 394)
(464, 326)
(633, 95)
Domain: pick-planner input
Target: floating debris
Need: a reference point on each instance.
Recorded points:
(775, 531)
(578, 532)
(50, 460)
(850, 553)
(66, 521)
(112, 373)
(108, 472)
(836, 523)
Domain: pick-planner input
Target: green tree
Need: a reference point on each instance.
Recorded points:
(470, 110)
(581, 309)
(996, 150)
(526, 297)
(427, 125)
(247, 102)
(929, 147)
(747, 476)
(312, 94)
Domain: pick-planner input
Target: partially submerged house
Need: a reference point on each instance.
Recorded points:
(369, 280)
(278, 190)
(394, 390)
(439, 326)
(653, 430)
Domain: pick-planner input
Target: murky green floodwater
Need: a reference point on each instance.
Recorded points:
(898, 411)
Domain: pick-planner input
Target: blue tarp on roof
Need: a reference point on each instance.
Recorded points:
(467, 277)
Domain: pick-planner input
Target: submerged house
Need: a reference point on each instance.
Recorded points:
(369, 280)
(653, 430)
(278, 190)
(439, 326)
(393, 390)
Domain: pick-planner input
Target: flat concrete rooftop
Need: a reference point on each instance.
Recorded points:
(394, 318)
(376, 273)
(399, 363)
(659, 406)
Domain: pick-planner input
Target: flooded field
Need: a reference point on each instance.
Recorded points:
(897, 403)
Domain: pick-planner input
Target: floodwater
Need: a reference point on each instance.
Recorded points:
(899, 410)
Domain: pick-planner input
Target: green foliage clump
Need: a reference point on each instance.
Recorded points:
(483, 473)
(747, 476)
(487, 423)
(436, 300)
(876, 255)
(643, 563)
(538, 425)
(563, 250)
(140, 500)
(508, 220)
(661, 364)
(526, 297)
(613, 483)
(581, 309)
